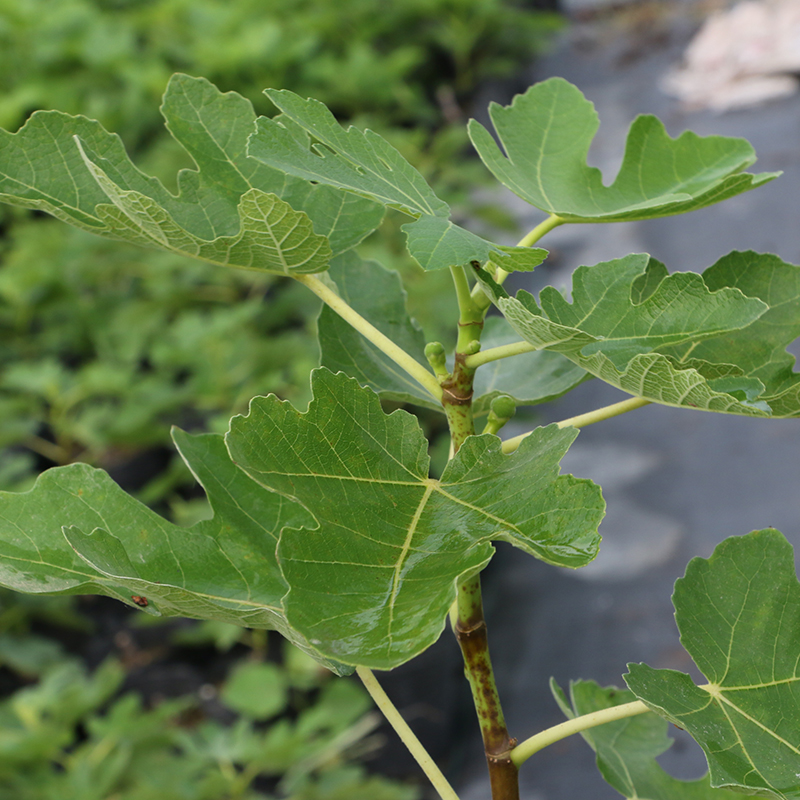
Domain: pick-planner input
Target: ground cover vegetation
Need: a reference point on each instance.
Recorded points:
(105, 346)
(328, 525)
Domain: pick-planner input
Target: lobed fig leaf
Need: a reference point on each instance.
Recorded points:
(364, 163)
(371, 582)
(738, 613)
(230, 210)
(636, 327)
(77, 532)
(546, 133)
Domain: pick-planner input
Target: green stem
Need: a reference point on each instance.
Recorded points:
(416, 370)
(495, 353)
(471, 633)
(470, 313)
(533, 236)
(582, 420)
(523, 751)
(470, 626)
(440, 783)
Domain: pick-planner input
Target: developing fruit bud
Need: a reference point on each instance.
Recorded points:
(435, 353)
(504, 407)
(500, 411)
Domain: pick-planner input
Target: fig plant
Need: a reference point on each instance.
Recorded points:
(327, 523)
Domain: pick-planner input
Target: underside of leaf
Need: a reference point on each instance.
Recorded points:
(231, 210)
(711, 342)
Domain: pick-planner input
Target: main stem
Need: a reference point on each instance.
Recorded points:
(497, 744)
(470, 626)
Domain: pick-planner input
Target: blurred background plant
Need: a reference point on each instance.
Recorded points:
(269, 728)
(103, 346)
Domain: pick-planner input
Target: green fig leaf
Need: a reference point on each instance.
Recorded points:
(738, 613)
(77, 532)
(364, 163)
(230, 211)
(627, 749)
(636, 327)
(759, 350)
(436, 242)
(372, 581)
(546, 133)
(356, 161)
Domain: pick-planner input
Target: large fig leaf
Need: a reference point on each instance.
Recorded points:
(377, 294)
(738, 613)
(546, 133)
(627, 749)
(77, 532)
(636, 327)
(372, 581)
(364, 163)
(230, 211)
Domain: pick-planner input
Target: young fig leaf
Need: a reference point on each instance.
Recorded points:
(436, 242)
(546, 133)
(371, 582)
(738, 613)
(628, 748)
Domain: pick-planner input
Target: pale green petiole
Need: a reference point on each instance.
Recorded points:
(582, 420)
(416, 370)
(440, 783)
(523, 751)
(533, 236)
(496, 353)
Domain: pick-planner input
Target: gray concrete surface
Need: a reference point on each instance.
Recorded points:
(676, 482)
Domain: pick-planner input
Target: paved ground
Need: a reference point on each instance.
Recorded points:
(676, 482)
